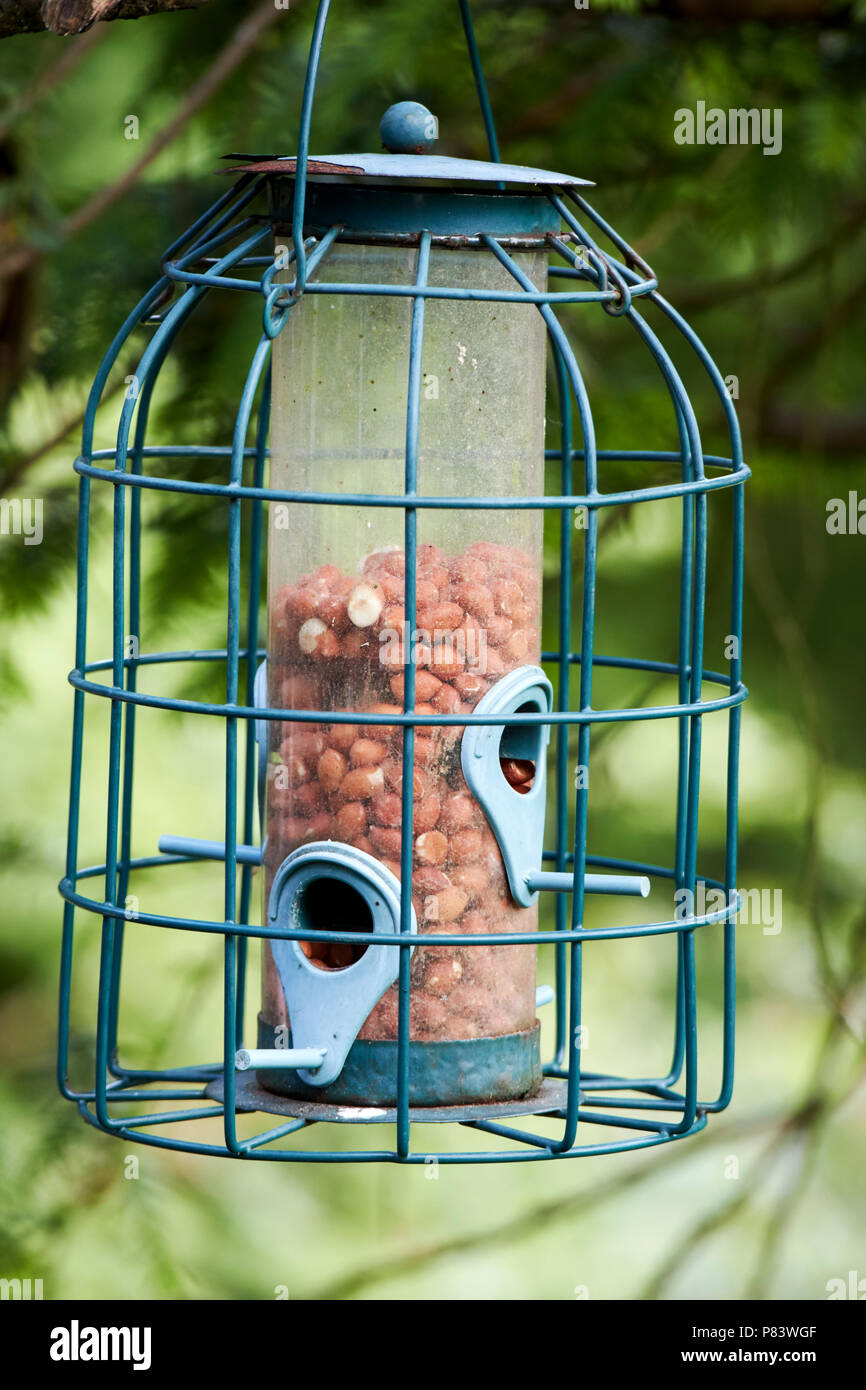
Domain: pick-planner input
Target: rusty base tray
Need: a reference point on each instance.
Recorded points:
(249, 1096)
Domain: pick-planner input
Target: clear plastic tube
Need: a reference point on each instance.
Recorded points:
(337, 630)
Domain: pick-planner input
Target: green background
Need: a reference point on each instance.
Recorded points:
(764, 254)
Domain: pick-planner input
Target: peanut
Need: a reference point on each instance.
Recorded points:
(393, 617)
(366, 752)
(351, 820)
(331, 769)
(468, 570)
(471, 686)
(426, 751)
(491, 663)
(426, 593)
(490, 551)
(474, 924)
(386, 841)
(365, 604)
(302, 605)
(430, 554)
(317, 640)
(386, 808)
(308, 798)
(393, 770)
(393, 561)
(446, 700)
(389, 732)
(342, 736)
(332, 611)
(361, 783)
(516, 647)
(498, 629)
(281, 798)
(446, 662)
(430, 879)
(328, 575)
(518, 772)
(477, 599)
(318, 827)
(357, 645)
(434, 574)
(426, 685)
(303, 742)
(445, 906)
(310, 634)
(458, 811)
(431, 847)
(293, 771)
(327, 647)
(467, 846)
(471, 879)
(426, 813)
(440, 617)
(392, 586)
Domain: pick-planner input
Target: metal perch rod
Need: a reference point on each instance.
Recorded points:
(628, 885)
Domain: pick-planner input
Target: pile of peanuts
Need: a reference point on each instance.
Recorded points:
(338, 643)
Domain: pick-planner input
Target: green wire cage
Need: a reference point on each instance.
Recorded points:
(396, 737)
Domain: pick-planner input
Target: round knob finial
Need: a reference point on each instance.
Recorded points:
(408, 128)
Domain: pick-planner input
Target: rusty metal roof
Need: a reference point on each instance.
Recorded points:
(405, 166)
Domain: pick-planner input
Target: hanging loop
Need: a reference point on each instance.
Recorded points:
(622, 304)
(278, 303)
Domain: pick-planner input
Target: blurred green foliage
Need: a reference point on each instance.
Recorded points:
(765, 255)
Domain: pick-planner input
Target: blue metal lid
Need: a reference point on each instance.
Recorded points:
(415, 168)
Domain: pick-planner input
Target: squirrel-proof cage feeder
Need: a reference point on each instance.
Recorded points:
(397, 744)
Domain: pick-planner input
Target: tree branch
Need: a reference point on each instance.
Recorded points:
(836, 431)
(76, 16)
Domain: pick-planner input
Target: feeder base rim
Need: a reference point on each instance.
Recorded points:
(249, 1097)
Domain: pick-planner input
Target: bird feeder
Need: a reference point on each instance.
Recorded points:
(389, 779)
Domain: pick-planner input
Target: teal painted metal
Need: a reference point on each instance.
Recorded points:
(669, 1106)
(455, 1072)
(391, 212)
